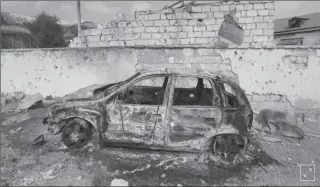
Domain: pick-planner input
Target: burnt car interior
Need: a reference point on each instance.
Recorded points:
(230, 99)
(146, 91)
(193, 91)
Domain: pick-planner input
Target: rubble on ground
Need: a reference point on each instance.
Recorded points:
(119, 182)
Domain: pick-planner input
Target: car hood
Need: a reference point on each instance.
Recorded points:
(89, 92)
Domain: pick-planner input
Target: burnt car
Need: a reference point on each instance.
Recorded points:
(168, 109)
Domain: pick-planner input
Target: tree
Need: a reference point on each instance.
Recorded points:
(47, 31)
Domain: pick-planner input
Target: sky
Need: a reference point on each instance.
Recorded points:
(103, 11)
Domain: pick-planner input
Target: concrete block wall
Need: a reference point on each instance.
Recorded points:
(199, 27)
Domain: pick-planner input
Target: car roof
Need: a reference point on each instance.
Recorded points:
(228, 76)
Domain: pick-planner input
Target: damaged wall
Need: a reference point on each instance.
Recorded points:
(263, 73)
(197, 25)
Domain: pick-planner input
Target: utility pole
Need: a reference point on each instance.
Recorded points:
(79, 17)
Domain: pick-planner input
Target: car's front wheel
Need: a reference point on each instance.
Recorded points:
(77, 133)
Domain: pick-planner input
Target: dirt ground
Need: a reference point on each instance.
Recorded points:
(52, 164)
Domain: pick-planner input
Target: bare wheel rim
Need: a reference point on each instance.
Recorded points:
(225, 147)
(75, 135)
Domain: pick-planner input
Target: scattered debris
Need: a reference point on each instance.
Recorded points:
(179, 184)
(27, 181)
(49, 97)
(30, 101)
(19, 129)
(203, 182)
(276, 122)
(48, 175)
(38, 140)
(119, 182)
(79, 178)
(12, 131)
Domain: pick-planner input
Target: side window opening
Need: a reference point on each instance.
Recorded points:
(193, 91)
(146, 91)
(231, 100)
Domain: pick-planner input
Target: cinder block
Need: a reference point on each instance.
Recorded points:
(152, 29)
(179, 15)
(214, 8)
(186, 16)
(271, 25)
(258, 6)
(269, 5)
(252, 13)
(248, 6)
(213, 27)
(173, 35)
(250, 26)
(247, 39)
(138, 30)
(170, 16)
(132, 24)
(181, 22)
(224, 8)
(239, 7)
(208, 34)
(199, 28)
(142, 17)
(187, 28)
(192, 22)
(263, 12)
(202, 41)
(195, 34)
(196, 9)
(209, 21)
(205, 8)
(147, 23)
(182, 35)
(106, 31)
(199, 15)
(172, 29)
(268, 19)
(218, 14)
(161, 23)
(258, 19)
(256, 32)
(262, 25)
(154, 16)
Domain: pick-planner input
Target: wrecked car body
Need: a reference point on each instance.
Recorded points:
(178, 110)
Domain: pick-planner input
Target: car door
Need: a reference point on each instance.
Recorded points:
(232, 108)
(194, 109)
(139, 111)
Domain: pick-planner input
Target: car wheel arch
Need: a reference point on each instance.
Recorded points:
(208, 142)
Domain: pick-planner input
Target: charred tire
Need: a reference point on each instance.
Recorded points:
(77, 133)
(227, 146)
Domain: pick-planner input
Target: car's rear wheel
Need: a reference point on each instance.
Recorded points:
(227, 146)
(77, 133)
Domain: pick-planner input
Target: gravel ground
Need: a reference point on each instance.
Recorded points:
(51, 164)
